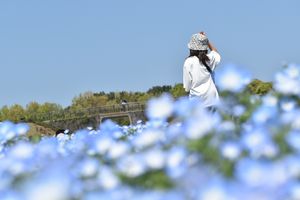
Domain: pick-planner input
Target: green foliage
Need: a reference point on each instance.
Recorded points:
(178, 91)
(88, 100)
(210, 154)
(158, 90)
(14, 113)
(151, 180)
(259, 87)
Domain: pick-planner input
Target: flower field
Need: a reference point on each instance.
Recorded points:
(248, 149)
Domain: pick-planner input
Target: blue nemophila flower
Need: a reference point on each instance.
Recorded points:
(49, 185)
(107, 179)
(238, 110)
(216, 190)
(264, 113)
(232, 78)
(291, 118)
(288, 105)
(5, 127)
(118, 149)
(148, 137)
(196, 128)
(292, 164)
(293, 139)
(21, 129)
(101, 144)
(292, 71)
(287, 81)
(11, 195)
(154, 159)
(22, 151)
(160, 108)
(88, 168)
(226, 126)
(184, 107)
(108, 126)
(7, 131)
(261, 173)
(132, 165)
(259, 143)
(269, 100)
(293, 191)
(252, 173)
(231, 150)
(47, 149)
(174, 132)
(176, 162)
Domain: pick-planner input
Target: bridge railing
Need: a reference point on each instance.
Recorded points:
(81, 113)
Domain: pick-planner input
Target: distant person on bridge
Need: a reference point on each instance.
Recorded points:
(198, 70)
(124, 104)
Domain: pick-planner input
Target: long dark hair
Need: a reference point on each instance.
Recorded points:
(202, 56)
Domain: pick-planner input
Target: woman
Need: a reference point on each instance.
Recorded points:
(198, 70)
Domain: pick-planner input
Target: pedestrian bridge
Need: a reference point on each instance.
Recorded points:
(93, 116)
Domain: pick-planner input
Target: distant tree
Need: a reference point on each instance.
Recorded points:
(158, 90)
(87, 100)
(178, 90)
(100, 93)
(144, 97)
(47, 110)
(17, 113)
(259, 87)
(4, 113)
(111, 96)
(32, 111)
(14, 113)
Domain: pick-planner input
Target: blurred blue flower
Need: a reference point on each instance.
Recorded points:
(232, 78)
(101, 144)
(292, 164)
(196, 128)
(10, 195)
(288, 105)
(131, 165)
(259, 143)
(49, 185)
(148, 137)
(293, 192)
(231, 150)
(215, 190)
(118, 149)
(269, 100)
(293, 139)
(287, 81)
(107, 179)
(154, 159)
(160, 108)
(264, 113)
(176, 162)
(238, 110)
(88, 168)
(109, 126)
(21, 129)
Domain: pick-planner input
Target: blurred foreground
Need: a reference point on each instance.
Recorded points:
(248, 149)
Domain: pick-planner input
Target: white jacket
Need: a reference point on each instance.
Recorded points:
(198, 81)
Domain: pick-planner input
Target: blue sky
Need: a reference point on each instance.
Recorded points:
(53, 50)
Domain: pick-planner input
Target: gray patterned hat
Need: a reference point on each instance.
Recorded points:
(198, 42)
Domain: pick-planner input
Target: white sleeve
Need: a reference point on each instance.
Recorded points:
(187, 79)
(215, 59)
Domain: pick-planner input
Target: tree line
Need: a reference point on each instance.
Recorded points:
(34, 112)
